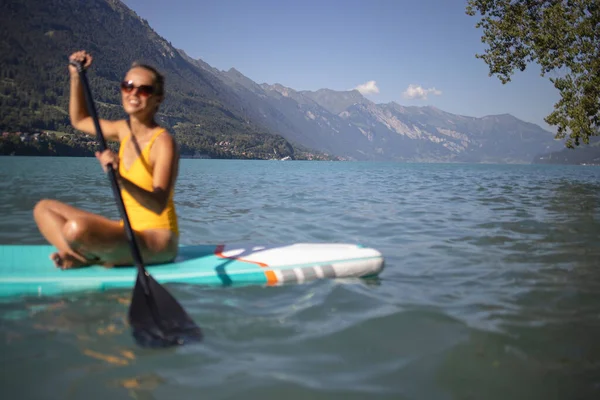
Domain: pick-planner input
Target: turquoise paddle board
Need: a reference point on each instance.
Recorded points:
(27, 270)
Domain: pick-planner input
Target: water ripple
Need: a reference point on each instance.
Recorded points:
(491, 288)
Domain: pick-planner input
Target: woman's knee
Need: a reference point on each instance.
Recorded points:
(41, 208)
(45, 206)
(159, 247)
(75, 230)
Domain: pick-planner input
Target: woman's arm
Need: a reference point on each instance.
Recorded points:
(78, 112)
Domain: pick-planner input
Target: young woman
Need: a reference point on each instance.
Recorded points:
(147, 167)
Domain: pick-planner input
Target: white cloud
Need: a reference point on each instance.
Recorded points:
(368, 88)
(418, 92)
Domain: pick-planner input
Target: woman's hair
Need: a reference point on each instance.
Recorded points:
(159, 79)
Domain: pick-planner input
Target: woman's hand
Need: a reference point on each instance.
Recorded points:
(84, 58)
(106, 158)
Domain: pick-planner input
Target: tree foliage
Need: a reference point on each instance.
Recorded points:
(563, 37)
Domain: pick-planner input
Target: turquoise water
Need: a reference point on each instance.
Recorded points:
(491, 288)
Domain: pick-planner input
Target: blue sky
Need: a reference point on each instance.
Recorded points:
(413, 52)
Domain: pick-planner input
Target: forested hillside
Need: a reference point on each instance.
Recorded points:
(36, 38)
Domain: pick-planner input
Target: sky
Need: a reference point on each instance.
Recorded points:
(412, 52)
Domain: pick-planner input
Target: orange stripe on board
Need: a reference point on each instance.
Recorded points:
(271, 278)
(219, 253)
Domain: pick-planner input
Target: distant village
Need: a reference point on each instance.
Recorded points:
(28, 137)
(46, 143)
(25, 136)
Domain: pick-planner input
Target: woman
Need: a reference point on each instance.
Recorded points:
(147, 165)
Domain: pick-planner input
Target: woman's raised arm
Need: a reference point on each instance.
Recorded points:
(78, 112)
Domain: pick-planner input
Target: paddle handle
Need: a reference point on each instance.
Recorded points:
(135, 250)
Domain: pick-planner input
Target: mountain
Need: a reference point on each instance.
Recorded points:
(347, 124)
(334, 101)
(224, 113)
(583, 155)
(36, 38)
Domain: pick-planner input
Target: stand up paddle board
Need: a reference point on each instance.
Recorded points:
(27, 270)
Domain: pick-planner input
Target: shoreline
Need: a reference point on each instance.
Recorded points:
(51, 144)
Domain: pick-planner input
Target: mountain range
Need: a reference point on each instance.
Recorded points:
(224, 113)
(347, 124)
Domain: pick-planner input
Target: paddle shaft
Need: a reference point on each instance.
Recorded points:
(133, 245)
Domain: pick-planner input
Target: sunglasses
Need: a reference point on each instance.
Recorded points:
(143, 90)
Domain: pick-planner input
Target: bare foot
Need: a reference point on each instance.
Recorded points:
(65, 260)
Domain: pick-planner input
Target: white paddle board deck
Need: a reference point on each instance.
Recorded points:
(27, 269)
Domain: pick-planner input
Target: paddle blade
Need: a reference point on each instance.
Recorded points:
(157, 319)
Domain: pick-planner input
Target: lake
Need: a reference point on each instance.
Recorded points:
(491, 288)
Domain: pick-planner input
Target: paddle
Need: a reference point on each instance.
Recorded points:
(157, 319)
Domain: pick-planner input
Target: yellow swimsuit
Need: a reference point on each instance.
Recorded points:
(140, 173)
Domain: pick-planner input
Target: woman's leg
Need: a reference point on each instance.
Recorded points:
(156, 246)
(51, 217)
(83, 238)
